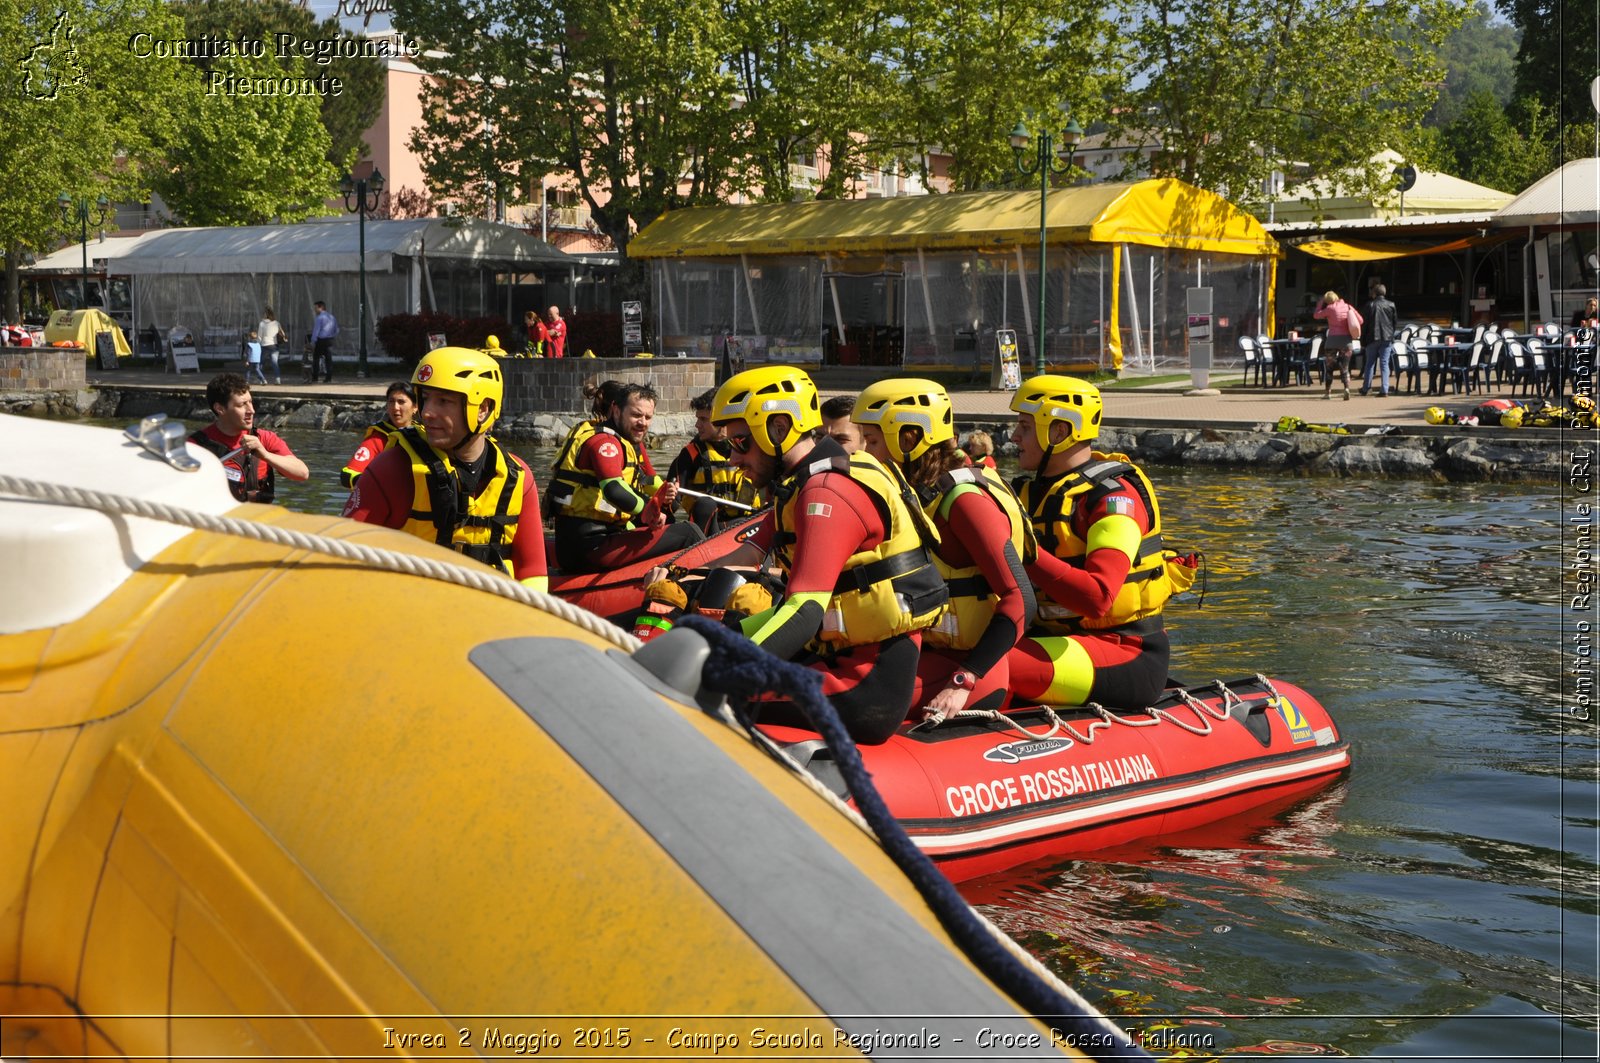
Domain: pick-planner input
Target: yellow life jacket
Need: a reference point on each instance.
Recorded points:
(1154, 576)
(483, 526)
(972, 601)
(710, 472)
(575, 492)
(889, 590)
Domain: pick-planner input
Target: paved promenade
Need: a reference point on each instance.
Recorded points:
(1234, 405)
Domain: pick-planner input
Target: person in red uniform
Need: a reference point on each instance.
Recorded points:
(450, 482)
(861, 584)
(984, 539)
(399, 407)
(611, 508)
(556, 331)
(1102, 572)
(234, 439)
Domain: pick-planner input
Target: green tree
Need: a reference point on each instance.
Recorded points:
(1239, 88)
(1479, 56)
(78, 113)
(348, 115)
(633, 98)
(1559, 55)
(1501, 150)
(981, 65)
(249, 153)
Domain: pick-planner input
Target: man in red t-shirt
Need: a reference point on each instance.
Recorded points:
(476, 498)
(556, 328)
(233, 438)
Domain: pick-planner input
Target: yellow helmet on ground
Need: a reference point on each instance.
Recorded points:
(911, 403)
(755, 395)
(1583, 403)
(1434, 415)
(1512, 418)
(1051, 398)
(468, 373)
(492, 346)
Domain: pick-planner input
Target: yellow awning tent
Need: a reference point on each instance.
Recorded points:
(1165, 213)
(1373, 250)
(80, 327)
(1157, 213)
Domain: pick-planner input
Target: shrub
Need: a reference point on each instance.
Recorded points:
(598, 330)
(405, 336)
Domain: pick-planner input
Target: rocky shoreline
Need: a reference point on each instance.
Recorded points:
(1454, 454)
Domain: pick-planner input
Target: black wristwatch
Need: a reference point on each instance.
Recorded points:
(963, 679)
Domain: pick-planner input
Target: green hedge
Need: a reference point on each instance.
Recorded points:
(405, 336)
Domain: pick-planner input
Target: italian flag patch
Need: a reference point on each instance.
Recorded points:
(1124, 506)
(819, 509)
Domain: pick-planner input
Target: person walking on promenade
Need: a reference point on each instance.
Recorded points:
(273, 337)
(1344, 325)
(323, 330)
(1380, 340)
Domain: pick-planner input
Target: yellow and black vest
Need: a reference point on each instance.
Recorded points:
(575, 492)
(710, 473)
(249, 487)
(1154, 575)
(889, 590)
(382, 430)
(972, 601)
(483, 526)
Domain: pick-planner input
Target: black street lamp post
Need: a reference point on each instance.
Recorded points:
(79, 210)
(360, 198)
(1047, 160)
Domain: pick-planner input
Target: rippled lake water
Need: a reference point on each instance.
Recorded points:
(1441, 901)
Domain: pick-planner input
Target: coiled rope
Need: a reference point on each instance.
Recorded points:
(474, 576)
(739, 668)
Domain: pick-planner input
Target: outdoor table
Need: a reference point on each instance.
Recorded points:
(1442, 357)
(1287, 354)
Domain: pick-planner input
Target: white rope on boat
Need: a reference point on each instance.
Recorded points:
(1146, 717)
(473, 577)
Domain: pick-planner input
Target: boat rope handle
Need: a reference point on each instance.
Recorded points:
(466, 574)
(740, 669)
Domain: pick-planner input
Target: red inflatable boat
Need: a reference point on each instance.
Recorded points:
(982, 795)
(619, 593)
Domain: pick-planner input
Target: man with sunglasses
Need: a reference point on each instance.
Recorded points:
(861, 583)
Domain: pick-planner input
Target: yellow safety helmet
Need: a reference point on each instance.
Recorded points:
(1512, 418)
(469, 373)
(1051, 397)
(755, 395)
(492, 345)
(1583, 403)
(912, 403)
(1434, 415)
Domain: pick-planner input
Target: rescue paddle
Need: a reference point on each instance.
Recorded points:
(715, 498)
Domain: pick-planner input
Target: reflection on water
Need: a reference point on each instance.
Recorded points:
(1441, 901)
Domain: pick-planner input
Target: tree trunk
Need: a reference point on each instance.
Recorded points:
(13, 298)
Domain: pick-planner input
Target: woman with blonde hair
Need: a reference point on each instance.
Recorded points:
(1344, 325)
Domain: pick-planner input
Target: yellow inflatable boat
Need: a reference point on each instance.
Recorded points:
(263, 801)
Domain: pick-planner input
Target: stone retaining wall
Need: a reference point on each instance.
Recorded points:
(555, 385)
(43, 369)
(1453, 453)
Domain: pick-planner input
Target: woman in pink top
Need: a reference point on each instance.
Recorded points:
(1344, 321)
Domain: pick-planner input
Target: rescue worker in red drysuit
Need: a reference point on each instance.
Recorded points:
(450, 482)
(234, 439)
(862, 584)
(399, 407)
(1102, 574)
(984, 539)
(611, 508)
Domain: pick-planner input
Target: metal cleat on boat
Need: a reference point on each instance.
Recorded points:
(165, 439)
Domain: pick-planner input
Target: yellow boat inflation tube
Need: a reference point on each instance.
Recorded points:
(264, 802)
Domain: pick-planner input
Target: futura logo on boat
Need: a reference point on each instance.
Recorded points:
(1016, 752)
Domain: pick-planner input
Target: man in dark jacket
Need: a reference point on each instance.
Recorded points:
(1380, 329)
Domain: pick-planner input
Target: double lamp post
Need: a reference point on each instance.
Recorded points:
(79, 210)
(361, 195)
(1048, 159)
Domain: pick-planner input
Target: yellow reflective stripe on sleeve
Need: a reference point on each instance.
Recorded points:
(782, 614)
(1115, 531)
(641, 500)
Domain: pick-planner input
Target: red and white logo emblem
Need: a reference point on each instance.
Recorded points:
(424, 374)
(608, 449)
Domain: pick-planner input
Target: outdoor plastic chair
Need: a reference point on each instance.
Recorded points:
(1252, 358)
(1314, 366)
